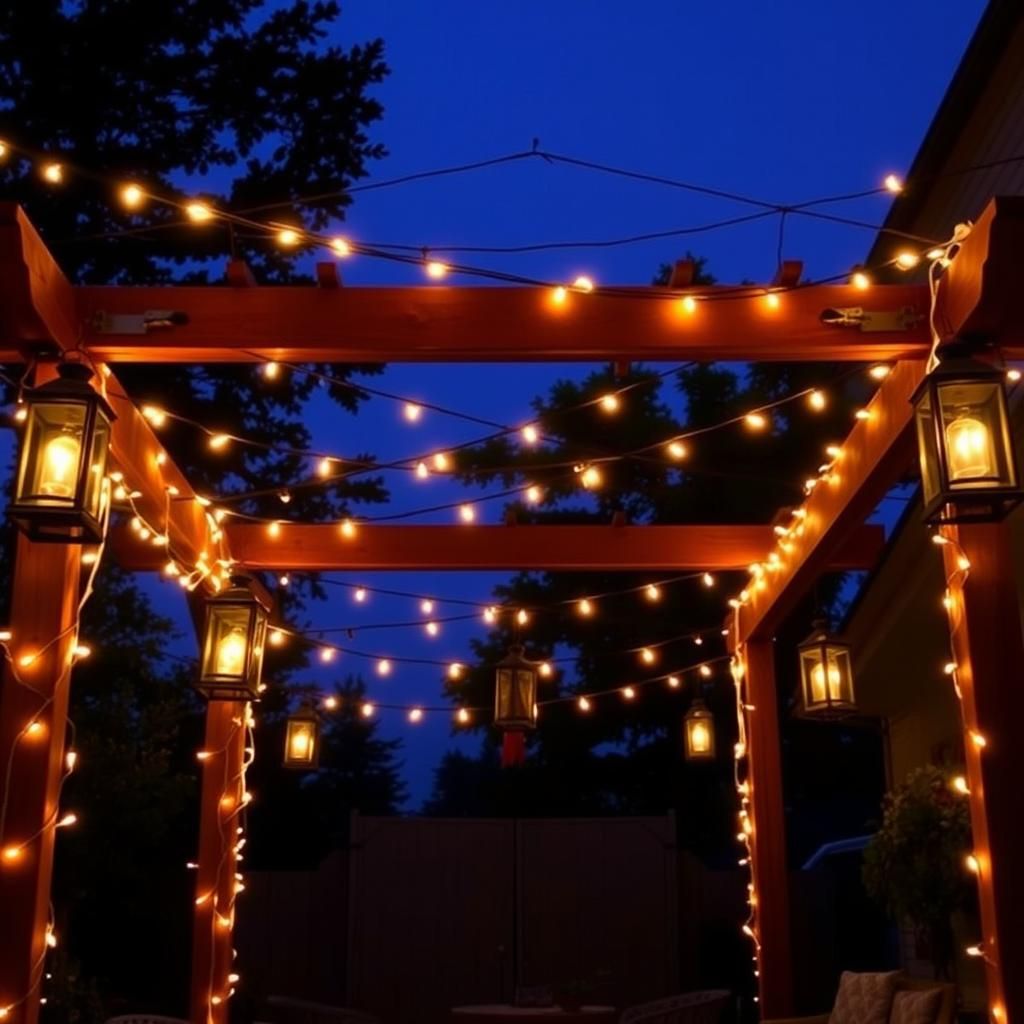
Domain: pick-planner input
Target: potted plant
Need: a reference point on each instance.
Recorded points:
(914, 865)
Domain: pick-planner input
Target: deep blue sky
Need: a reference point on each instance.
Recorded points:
(782, 100)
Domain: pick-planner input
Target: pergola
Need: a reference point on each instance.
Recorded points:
(43, 315)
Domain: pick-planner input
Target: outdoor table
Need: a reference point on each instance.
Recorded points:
(496, 1012)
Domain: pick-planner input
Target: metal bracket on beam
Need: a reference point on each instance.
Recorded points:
(136, 323)
(867, 320)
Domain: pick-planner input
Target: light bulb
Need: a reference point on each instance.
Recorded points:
(455, 670)
(412, 412)
(60, 466)
(705, 671)
(559, 294)
(467, 513)
(132, 196)
(816, 400)
(367, 710)
(522, 617)
(700, 737)
(218, 442)
(384, 667)
(326, 654)
(676, 450)
(835, 682)
(533, 494)
(907, 260)
(426, 606)
(652, 592)
(530, 434)
(860, 280)
(231, 650)
(271, 370)
(415, 715)
(288, 238)
(591, 478)
(432, 628)
(708, 580)
(673, 682)
(628, 692)
(583, 283)
(436, 269)
(969, 448)
(441, 462)
(53, 173)
(462, 716)
(689, 304)
(647, 656)
(585, 608)
(341, 247)
(583, 704)
(893, 183)
(330, 703)
(198, 212)
(348, 528)
(610, 403)
(422, 472)
(772, 300)
(490, 615)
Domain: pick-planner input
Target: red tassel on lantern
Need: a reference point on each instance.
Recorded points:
(513, 748)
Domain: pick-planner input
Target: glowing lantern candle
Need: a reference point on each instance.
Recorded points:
(968, 463)
(826, 675)
(59, 493)
(233, 641)
(302, 740)
(699, 732)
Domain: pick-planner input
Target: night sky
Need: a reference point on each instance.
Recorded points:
(784, 101)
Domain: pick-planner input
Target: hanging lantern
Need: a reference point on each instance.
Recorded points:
(62, 467)
(515, 703)
(968, 464)
(233, 641)
(699, 732)
(826, 675)
(302, 739)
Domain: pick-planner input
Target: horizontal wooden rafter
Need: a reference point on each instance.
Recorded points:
(582, 548)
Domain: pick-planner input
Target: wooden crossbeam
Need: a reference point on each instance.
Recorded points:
(38, 305)
(552, 548)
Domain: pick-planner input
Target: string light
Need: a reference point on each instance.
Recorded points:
(590, 477)
(816, 400)
(533, 494)
(610, 403)
(341, 247)
(53, 173)
(132, 196)
(288, 238)
(689, 304)
(583, 703)
(198, 213)
(462, 716)
(628, 693)
(436, 269)
(907, 260)
(893, 184)
(652, 592)
(676, 450)
(860, 280)
(530, 434)
(673, 682)
(271, 370)
(585, 608)
(412, 412)
(756, 420)
(583, 283)
(467, 513)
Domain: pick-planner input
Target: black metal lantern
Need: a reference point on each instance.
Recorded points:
(968, 464)
(59, 495)
(515, 693)
(826, 675)
(699, 732)
(302, 739)
(233, 640)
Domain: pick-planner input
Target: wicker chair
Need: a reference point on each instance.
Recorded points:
(947, 1008)
(689, 1008)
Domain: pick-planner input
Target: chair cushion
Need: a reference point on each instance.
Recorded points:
(864, 998)
(916, 1006)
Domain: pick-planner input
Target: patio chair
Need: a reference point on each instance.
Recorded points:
(947, 1006)
(287, 1010)
(144, 1018)
(688, 1008)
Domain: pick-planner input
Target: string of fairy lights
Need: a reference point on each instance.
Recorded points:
(213, 569)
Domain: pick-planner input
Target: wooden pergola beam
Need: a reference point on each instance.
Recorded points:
(39, 306)
(551, 548)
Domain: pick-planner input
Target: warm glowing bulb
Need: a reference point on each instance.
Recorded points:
(341, 247)
(68, 820)
(559, 294)
(816, 400)
(533, 494)
(53, 173)
(330, 703)
(383, 667)
(274, 529)
(971, 863)
(132, 196)
(60, 466)
(231, 651)
(699, 737)
(647, 656)
(323, 468)
(462, 716)
(436, 269)
(610, 403)
(455, 670)
(860, 280)
(772, 300)
(367, 710)
(348, 528)
(689, 304)
(676, 450)
(415, 715)
(198, 212)
(818, 683)
(893, 183)
(583, 283)
(1013, 375)
(276, 638)
(756, 420)
(584, 607)
(426, 606)
(705, 671)
(467, 513)
(591, 478)
(70, 760)
(960, 785)
(583, 704)
(673, 682)
(359, 595)
(432, 628)
(522, 617)
(441, 462)
(530, 434)
(628, 692)
(652, 592)
(545, 669)
(288, 238)
(422, 472)
(412, 412)
(219, 441)
(969, 448)
(863, 414)
(327, 654)
(708, 580)
(907, 260)
(490, 615)
(12, 853)
(271, 370)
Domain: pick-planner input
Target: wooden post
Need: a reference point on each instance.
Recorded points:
(221, 814)
(768, 838)
(44, 612)
(988, 650)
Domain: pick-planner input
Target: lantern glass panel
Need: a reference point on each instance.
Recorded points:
(52, 454)
(927, 446)
(976, 435)
(301, 743)
(97, 467)
(226, 655)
